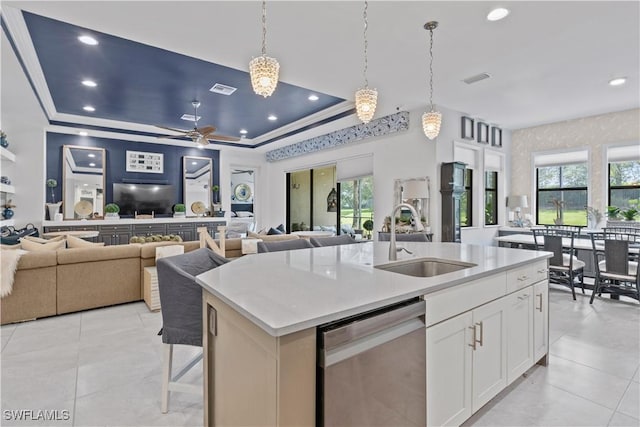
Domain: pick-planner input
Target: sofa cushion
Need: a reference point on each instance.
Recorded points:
(76, 242)
(273, 231)
(148, 250)
(41, 240)
(37, 259)
(274, 237)
(102, 253)
(28, 245)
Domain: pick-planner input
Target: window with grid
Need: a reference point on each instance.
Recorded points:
(561, 194)
(466, 200)
(624, 184)
(490, 198)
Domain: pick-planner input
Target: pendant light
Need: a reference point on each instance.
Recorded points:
(264, 70)
(366, 99)
(431, 121)
(332, 198)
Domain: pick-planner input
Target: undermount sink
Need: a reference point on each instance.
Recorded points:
(425, 267)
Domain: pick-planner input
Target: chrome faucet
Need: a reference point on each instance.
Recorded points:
(417, 226)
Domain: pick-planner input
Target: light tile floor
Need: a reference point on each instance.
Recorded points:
(103, 367)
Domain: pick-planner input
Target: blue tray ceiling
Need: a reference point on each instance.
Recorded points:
(143, 84)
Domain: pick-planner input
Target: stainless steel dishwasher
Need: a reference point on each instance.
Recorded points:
(372, 368)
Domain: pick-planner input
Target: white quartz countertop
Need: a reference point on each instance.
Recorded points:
(285, 292)
(129, 221)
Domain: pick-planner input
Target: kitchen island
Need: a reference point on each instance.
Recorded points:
(486, 324)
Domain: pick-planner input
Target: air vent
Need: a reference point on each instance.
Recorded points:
(222, 89)
(476, 78)
(190, 117)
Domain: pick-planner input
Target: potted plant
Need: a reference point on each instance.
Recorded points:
(594, 216)
(613, 213)
(111, 211)
(629, 214)
(179, 210)
(368, 225)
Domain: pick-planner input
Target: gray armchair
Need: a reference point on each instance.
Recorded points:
(343, 239)
(283, 245)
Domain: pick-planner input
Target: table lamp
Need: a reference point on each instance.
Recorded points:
(517, 203)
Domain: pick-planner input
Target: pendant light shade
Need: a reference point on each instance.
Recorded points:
(366, 98)
(366, 101)
(264, 70)
(431, 124)
(432, 120)
(332, 198)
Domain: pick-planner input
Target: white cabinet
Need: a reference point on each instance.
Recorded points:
(466, 363)
(540, 320)
(449, 355)
(519, 333)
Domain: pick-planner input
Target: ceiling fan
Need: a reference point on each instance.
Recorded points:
(200, 136)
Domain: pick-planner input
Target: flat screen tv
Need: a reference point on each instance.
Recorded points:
(144, 198)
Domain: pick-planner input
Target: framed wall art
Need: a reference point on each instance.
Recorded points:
(496, 136)
(139, 161)
(466, 128)
(482, 133)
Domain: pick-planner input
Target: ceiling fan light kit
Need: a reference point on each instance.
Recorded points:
(366, 98)
(431, 120)
(264, 70)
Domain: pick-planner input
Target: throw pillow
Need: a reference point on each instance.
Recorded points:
(28, 245)
(273, 231)
(76, 242)
(281, 228)
(41, 240)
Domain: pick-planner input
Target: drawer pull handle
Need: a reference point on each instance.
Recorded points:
(539, 308)
(544, 270)
(523, 278)
(473, 341)
(523, 297)
(481, 342)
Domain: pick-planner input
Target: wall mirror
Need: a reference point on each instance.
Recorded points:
(243, 191)
(83, 181)
(197, 173)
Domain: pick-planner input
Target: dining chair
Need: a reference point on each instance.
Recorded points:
(564, 266)
(181, 302)
(615, 255)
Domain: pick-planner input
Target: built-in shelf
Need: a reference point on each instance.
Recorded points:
(7, 222)
(7, 155)
(5, 188)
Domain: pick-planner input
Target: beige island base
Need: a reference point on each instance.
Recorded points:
(484, 325)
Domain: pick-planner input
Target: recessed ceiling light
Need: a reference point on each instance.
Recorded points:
(85, 184)
(89, 83)
(618, 81)
(243, 131)
(89, 108)
(194, 163)
(92, 164)
(272, 117)
(92, 155)
(85, 133)
(498, 14)
(88, 40)
(313, 97)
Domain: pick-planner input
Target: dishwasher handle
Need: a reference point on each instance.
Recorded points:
(377, 322)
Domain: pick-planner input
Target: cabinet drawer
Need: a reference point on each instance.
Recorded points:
(112, 228)
(524, 276)
(447, 303)
(149, 229)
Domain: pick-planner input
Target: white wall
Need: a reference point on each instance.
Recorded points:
(23, 121)
(402, 155)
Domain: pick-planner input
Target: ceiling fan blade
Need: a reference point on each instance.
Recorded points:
(173, 136)
(221, 138)
(172, 129)
(206, 129)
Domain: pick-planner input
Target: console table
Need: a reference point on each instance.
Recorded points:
(120, 231)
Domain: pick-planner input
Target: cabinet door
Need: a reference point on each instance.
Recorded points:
(519, 333)
(540, 319)
(490, 355)
(449, 354)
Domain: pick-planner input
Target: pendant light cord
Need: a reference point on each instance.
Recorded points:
(366, 44)
(264, 27)
(431, 69)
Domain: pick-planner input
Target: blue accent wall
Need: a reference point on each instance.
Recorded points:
(115, 167)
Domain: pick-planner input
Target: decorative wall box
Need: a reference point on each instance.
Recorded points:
(496, 136)
(483, 133)
(466, 128)
(139, 161)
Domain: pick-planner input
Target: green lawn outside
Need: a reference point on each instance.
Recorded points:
(346, 215)
(574, 217)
